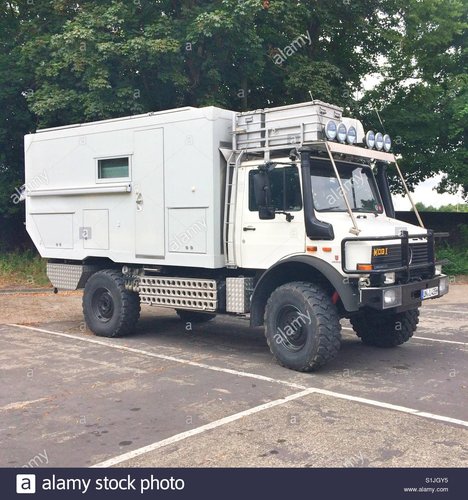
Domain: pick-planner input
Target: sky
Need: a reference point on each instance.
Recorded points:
(425, 191)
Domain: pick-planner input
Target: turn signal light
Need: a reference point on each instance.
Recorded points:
(311, 249)
(365, 267)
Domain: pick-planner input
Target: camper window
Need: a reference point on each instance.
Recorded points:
(113, 168)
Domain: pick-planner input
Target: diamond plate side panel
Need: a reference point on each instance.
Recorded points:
(238, 293)
(69, 276)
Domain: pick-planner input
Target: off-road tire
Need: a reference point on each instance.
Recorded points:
(313, 344)
(385, 328)
(110, 310)
(194, 316)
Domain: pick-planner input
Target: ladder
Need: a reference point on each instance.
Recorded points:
(230, 205)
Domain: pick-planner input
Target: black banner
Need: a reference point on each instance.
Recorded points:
(225, 484)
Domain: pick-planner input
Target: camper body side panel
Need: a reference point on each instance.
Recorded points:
(143, 190)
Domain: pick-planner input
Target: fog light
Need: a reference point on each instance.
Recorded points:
(443, 285)
(387, 143)
(352, 135)
(389, 278)
(438, 269)
(379, 141)
(391, 297)
(330, 130)
(370, 139)
(342, 133)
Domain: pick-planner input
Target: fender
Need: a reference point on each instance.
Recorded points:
(301, 268)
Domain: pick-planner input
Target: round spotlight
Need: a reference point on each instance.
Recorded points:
(370, 139)
(342, 132)
(352, 135)
(379, 141)
(330, 130)
(387, 143)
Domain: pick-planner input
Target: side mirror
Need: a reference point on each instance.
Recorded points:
(262, 191)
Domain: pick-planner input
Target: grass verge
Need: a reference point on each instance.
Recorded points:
(457, 260)
(22, 269)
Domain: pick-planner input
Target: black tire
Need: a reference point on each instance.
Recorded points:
(110, 310)
(385, 328)
(303, 327)
(194, 316)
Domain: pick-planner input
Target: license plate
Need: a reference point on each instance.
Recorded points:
(427, 293)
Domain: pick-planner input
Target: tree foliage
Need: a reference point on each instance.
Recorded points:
(444, 208)
(423, 97)
(63, 61)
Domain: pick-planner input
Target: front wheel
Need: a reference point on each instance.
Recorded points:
(385, 328)
(110, 310)
(302, 326)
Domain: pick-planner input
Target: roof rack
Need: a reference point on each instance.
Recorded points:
(274, 129)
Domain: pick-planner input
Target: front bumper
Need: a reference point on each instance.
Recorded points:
(407, 296)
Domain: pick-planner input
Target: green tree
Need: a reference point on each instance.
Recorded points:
(423, 98)
(63, 61)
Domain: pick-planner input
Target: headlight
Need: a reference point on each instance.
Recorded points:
(438, 269)
(370, 139)
(387, 143)
(342, 132)
(379, 141)
(352, 135)
(443, 285)
(330, 130)
(391, 297)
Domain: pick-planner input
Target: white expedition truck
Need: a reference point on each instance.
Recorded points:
(283, 214)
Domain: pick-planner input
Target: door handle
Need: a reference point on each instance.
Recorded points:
(139, 202)
(249, 228)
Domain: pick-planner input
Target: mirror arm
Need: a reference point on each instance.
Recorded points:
(289, 217)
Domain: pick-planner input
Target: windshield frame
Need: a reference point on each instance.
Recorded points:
(339, 164)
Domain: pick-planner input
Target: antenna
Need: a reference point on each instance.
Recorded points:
(311, 96)
(380, 120)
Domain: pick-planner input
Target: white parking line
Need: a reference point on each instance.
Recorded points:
(348, 397)
(163, 356)
(198, 430)
(442, 340)
(445, 310)
(425, 338)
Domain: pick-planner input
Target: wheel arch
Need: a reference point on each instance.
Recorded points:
(301, 268)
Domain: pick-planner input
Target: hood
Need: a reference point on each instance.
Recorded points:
(369, 224)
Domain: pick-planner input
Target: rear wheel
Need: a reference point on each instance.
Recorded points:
(385, 328)
(302, 326)
(110, 310)
(194, 316)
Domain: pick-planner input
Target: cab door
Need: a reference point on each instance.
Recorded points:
(264, 242)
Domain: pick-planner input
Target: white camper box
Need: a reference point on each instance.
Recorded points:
(129, 189)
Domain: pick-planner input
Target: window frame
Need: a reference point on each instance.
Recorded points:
(372, 185)
(108, 180)
(253, 171)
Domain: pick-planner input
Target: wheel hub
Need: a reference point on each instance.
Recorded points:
(291, 328)
(103, 304)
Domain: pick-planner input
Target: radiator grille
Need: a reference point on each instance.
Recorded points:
(393, 258)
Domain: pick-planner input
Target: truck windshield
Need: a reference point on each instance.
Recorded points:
(358, 182)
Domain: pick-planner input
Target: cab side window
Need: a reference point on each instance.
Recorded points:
(285, 189)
